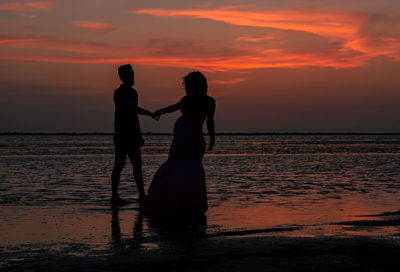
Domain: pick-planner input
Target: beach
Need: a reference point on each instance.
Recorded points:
(276, 203)
(84, 243)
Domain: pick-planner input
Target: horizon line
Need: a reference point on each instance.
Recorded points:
(217, 133)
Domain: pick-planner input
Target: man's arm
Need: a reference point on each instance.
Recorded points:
(131, 107)
(142, 111)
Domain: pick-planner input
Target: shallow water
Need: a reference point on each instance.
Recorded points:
(56, 189)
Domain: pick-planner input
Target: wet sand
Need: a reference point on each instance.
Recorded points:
(229, 254)
(125, 240)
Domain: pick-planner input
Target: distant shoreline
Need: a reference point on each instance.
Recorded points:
(220, 134)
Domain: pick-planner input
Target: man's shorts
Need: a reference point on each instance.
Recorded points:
(127, 144)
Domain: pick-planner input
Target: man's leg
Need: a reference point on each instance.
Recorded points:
(135, 157)
(120, 160)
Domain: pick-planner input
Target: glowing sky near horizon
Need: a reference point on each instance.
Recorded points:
(295, 65)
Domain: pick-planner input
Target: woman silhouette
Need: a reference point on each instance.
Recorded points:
(179, 184)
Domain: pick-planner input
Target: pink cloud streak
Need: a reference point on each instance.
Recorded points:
(94, 25)
(274, 60)
(320, 23)
(227, 82)
(17, 40)
(28, 6)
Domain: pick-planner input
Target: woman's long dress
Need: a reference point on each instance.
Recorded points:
(179, 185)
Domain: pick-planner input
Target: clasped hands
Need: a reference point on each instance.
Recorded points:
(156, 115)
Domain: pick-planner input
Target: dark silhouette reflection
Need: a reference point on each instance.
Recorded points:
(176, 225)
(115, 229)
(117, 240)
(177, 232)
(138, 228)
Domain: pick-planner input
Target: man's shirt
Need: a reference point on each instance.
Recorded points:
(126, 122)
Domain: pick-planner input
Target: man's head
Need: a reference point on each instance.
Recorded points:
(126, 74)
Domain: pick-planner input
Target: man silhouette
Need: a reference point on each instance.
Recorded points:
(128, 137)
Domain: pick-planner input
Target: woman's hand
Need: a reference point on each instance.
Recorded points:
(154, 116)
(211, 146)
(157, 114)
(210, 123)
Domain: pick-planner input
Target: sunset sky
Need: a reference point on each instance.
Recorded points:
(295, 65)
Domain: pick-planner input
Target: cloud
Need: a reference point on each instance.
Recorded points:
(27, 6)
(156, 47)
(320, 23)
(95, 25)
(12, 39)
(345, 38)
(49, 43)
(168, 46)
(288, 39)
(44, 49)
(274, 59)
(255, 39)
(226, 82)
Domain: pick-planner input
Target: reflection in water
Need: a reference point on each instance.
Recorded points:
(138, 229)
(172, 231)
(115, 228)
(116, 236)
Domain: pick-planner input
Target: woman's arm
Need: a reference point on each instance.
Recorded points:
(168, 109)
(211, 125)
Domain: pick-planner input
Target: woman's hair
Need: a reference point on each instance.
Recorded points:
(195, 83)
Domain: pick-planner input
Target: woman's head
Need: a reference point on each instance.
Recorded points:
(195, 83)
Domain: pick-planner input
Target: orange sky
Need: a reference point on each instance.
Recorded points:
(296, 65)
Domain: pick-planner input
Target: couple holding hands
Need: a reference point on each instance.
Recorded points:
(179, 184)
